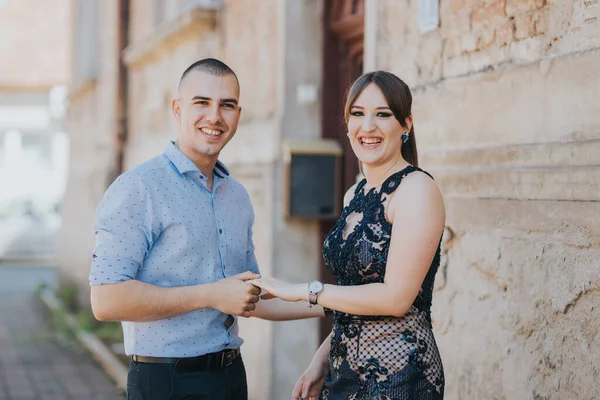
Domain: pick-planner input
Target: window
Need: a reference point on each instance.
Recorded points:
(158, 12)
(164, 10)
(186, 5)
(86, 40)
(429, 15)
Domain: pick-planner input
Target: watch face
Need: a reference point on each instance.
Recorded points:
(315, 286)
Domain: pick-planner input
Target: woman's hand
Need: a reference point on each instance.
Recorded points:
(311, 382)
(284, 290)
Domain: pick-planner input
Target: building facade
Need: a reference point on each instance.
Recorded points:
(507, 119)
(34, 73)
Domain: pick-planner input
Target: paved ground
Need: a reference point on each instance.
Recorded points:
(37, 360)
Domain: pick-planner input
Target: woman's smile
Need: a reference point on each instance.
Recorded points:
(370, 142)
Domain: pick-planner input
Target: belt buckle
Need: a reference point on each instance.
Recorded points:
(227, 359)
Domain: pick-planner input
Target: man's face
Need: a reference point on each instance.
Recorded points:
(207, 112)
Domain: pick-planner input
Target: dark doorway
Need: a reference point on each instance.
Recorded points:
(344, 22)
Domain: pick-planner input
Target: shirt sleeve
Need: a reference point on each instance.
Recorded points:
(123, 232)
(251, 262)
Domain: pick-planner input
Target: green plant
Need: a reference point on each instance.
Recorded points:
(86, 320)
(110, 332)
(67, 294)
(41, 287)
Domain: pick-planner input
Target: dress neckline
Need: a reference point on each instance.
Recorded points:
(384, 185)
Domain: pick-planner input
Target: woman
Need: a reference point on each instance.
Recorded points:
(384, 253)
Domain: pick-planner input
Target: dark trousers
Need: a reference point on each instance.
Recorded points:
(164, 382)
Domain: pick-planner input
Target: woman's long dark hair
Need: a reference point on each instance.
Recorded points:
(399, 99)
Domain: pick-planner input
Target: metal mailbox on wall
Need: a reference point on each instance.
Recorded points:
(313, 179)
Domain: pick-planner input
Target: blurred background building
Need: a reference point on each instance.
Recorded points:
(34, 148)
(507, 118)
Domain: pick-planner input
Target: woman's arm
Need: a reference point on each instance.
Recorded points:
(279, 310)
(418, 217)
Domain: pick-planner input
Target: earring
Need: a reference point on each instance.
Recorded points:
(405, 137)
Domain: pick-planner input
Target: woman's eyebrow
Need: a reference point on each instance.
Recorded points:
(377, 108)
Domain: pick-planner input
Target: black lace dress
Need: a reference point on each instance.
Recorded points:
(378, 357)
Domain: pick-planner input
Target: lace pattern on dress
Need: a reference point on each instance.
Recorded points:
(378, 357)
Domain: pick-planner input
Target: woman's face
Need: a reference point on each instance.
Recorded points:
(375, 133)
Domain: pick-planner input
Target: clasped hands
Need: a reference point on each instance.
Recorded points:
(238, 294)
(272, 288)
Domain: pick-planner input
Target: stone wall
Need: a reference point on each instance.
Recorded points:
(481, 35)
(34, 60)
(92, 125)
(507, 119)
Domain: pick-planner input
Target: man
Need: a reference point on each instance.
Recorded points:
(174, 253)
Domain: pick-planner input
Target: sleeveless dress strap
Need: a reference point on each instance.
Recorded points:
(394, 180)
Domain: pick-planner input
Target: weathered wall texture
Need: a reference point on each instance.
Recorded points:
(479, 35)
(34, 60)
(91, 125)
(507, 116)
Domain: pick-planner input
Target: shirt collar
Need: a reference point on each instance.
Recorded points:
(184, 164)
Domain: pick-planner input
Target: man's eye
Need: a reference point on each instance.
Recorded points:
(201, 103)
(228, 105)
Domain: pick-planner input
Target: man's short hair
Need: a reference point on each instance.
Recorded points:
(211, 66)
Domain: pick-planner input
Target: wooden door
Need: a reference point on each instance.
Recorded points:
(342, 63)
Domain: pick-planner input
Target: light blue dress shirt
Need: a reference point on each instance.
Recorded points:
(160, 224)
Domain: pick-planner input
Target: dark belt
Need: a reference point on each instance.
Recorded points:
(220, 360)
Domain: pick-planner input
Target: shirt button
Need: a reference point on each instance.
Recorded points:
(220, 230)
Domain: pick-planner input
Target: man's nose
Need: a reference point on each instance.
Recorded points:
(214, 115)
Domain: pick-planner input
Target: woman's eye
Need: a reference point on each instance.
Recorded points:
(356, 113)
(384, 114)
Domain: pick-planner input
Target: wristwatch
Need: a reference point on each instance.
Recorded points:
(314, 290)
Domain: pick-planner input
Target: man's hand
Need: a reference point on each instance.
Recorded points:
(235, 296)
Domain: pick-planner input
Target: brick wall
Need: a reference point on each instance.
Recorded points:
(479, 35)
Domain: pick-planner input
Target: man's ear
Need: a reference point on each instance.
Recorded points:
(176, 109)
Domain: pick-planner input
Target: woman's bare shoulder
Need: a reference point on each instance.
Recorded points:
(418, 192)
